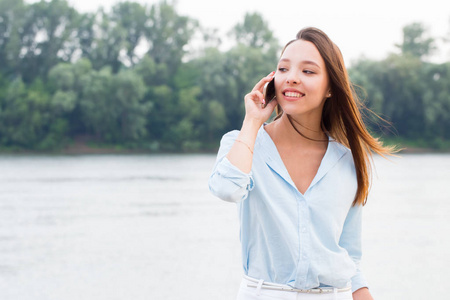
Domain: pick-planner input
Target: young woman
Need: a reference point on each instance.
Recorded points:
(300, 182)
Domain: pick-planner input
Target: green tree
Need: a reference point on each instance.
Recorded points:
(101, 40)
(244, 67)
(217, 87)
(66, 90)
(12, 14)
(216, 119)
(28, 118)
(395, 89)
(168, 33)
(129, 91)
(416, 41)
(254, 56)
(254, 32)
(132, 77)
(132, 18)
(111, 105)
(46, 37)
(174, 121)
(162, 115)
(436, 100)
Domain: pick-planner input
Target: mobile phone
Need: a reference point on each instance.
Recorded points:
(269, 92)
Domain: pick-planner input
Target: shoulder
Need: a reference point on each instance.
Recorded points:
(229, 138)
(344, 154)
(230, 135)
(343, 149)
(340, 148)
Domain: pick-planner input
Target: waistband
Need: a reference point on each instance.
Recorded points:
(261, 284)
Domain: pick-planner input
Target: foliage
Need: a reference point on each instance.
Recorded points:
(136, 76)
(409, 93)
(416, 42)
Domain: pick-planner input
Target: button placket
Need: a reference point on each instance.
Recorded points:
(302, 271)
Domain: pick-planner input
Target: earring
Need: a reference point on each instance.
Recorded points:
(329, 95)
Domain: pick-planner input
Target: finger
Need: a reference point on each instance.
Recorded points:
(259, 86)
(259, 99)
(255, 96)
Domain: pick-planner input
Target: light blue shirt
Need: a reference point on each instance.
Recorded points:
(302, 240)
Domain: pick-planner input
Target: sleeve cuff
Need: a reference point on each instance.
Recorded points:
(229, 183)
(359, 281)
(229, 171)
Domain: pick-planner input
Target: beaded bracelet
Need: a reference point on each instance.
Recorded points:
(245, 145)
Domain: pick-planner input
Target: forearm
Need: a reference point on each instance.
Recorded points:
(241, 153)
(362, 294)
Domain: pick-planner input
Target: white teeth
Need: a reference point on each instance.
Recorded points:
(293, 94)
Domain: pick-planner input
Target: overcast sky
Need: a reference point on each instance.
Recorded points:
(369, 28)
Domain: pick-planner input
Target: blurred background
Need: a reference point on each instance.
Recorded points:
(111, 112)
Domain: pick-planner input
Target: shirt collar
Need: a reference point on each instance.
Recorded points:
(269, 151)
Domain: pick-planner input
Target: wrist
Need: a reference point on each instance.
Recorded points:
(251, 124)
(362, 294)
(249, 131)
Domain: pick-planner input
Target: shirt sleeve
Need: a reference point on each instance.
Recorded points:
(227, 182)
(351, 241)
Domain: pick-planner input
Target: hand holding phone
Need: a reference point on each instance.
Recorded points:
(257, 107)
(269, 92)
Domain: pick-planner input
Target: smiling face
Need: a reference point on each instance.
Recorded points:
(301, 80)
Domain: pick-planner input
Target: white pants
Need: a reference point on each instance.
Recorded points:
(251, 293)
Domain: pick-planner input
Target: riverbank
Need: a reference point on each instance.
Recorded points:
(83, 146)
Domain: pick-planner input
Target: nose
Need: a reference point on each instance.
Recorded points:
(293, 78)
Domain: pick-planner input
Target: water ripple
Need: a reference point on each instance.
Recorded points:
(90, 179)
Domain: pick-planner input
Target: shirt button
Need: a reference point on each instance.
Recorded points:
(303, 229)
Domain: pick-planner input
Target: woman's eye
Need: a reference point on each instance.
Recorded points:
(282, 69)
(308, 72)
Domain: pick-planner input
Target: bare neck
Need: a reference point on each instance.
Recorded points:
(283, 134)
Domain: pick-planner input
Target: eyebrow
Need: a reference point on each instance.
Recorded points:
(307, 62)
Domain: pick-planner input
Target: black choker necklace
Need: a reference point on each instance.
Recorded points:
(290, 121)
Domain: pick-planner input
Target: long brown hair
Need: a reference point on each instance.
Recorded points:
(341, 116)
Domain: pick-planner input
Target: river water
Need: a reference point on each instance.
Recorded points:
(97, 227)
